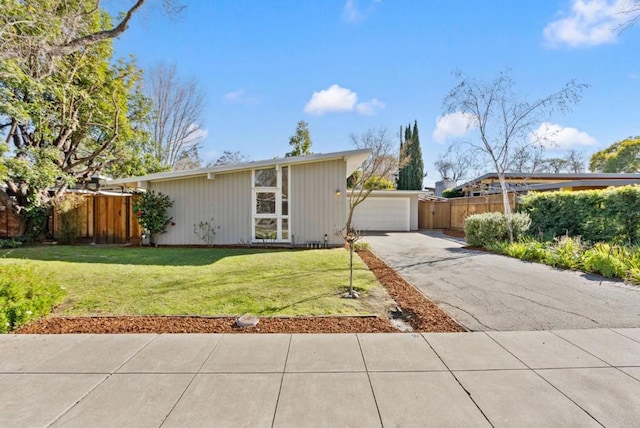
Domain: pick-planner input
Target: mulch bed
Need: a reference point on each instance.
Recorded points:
(422, 314)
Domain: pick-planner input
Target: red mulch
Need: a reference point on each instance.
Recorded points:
(454, 233)
(421, 314)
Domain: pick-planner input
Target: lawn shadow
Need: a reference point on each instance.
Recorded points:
(141, 256)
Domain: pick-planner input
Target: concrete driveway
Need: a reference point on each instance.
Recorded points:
(487, 292)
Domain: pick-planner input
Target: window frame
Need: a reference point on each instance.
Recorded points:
(277, 190)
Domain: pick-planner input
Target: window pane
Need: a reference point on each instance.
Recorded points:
(266, 178)
(285, 180)
(285, 228)
(266, 228)
(265, 203)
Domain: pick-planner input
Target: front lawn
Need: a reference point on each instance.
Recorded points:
(203, 281)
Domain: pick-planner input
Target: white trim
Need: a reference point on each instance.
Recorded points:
(277, 190)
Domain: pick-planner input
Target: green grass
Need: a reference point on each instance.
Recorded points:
(202, 281)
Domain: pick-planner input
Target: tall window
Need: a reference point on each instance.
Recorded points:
(271, 204)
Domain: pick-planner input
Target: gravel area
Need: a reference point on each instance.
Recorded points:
(413, 308)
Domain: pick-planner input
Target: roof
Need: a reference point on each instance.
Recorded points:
(583, 183)
(612, 178)
(354, 159)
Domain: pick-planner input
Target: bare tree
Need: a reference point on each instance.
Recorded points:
(503, 120)
(576, 161)
(456, 163)
(176, 129)
(38, 31)
(229, 157)
(380, 163)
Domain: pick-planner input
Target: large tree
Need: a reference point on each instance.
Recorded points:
(300, 141)
(503, 120)
(230, 157)
(68, 126)
(176, 120)
(410, 176)
(621, 156)
(37, 32)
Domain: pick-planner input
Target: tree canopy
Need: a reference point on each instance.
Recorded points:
(82, 119)
(621, 156)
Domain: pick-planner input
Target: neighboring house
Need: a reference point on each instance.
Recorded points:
(524, 182)
(294, 200)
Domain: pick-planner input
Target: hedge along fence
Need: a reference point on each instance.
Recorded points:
(609, 215)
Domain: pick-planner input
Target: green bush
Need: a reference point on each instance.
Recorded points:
(10, 243)
(609, 215)
(362, 246)
(25, 294)
(485, 229)
(566, 253)
(151, 210)
(526, 250)
(607, 260)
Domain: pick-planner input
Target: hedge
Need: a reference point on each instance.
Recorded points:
(609, 215)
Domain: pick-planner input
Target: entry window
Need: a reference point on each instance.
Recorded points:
(271, 204)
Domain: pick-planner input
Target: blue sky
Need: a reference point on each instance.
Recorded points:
(346, 66)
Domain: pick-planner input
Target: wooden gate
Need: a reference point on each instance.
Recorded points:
(451, 214)
(104, 219)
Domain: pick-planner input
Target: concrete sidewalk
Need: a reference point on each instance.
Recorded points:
(536, 378)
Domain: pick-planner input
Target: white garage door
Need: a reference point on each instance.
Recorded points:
(383, 214)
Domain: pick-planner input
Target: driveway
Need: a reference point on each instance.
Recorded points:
(484, 291)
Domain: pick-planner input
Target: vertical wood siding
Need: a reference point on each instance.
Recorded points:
(315, 207)
(226, 199)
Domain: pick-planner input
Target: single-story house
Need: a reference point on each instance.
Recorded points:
(524, 182)
(291, 200)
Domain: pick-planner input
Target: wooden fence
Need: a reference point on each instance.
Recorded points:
(9, 226)
(103, 219)
(450, 214)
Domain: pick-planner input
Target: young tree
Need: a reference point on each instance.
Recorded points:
(66, 127)
(378, 164)
(503, 120)
(300, 141)
(176, 124)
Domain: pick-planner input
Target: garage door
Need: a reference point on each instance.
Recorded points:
(383, 214)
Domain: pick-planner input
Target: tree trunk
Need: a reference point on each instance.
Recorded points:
(506, 204)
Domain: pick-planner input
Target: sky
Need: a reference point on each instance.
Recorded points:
(347, 66)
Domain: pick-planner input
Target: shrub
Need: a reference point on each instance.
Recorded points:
(10, 243)
(526, 250)
(151, 210)
(607, 260)
(206, 231)
(485, 229)
(566, 253)
(25, 294)
(596, 215)
(361, 246)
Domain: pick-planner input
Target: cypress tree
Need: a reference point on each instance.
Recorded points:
(404, 174)
(417, 164)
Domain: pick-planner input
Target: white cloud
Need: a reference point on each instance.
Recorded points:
(369, 108)
(333, 99)
(452, 125)
(234, 95)
(554, 136)
(590, 23)
(350, 12)
(337, 99)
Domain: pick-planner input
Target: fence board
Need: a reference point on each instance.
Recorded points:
(451, 214)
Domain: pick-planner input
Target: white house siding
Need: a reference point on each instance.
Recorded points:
(316, 209)
(226, 199)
